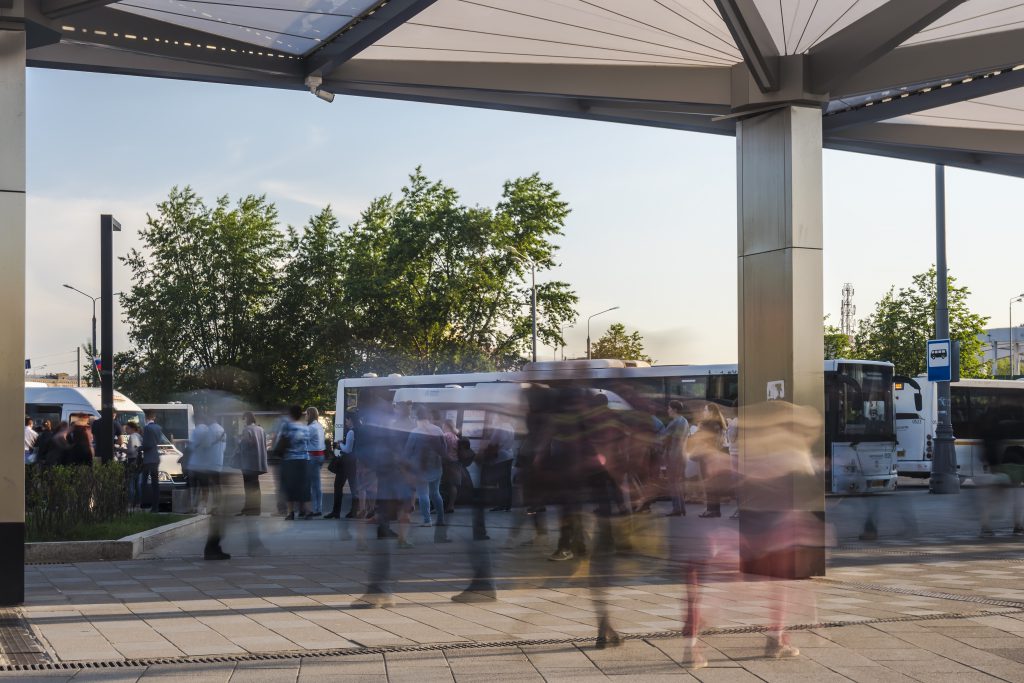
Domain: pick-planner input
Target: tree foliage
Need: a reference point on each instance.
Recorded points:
(903, 321)
(223, 298)
(616, 343)
(837, 344)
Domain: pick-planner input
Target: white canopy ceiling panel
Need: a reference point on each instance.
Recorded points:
(1004, 111)
(797, 25)
(653, 32)
(974, 17)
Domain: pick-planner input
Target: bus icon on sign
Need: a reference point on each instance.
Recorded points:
(939, 354)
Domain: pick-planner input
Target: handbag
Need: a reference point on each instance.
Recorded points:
(281, 446)
(334, 466)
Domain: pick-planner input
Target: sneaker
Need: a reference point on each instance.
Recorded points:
(561, 556)
(376, 600)
(777, 649)
(216, 555)
(332, 515)
(467, 595)
(405, 545)
(290, 517)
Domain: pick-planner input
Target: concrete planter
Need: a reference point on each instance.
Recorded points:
(127, 548)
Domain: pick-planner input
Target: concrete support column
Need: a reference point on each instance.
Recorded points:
(12, 311)
(780, 339)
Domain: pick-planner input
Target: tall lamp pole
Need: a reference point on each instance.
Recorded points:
(562, 335)
(533, 295)
(944, 478)
(105, 437)
(613, 308)
(1013, 367)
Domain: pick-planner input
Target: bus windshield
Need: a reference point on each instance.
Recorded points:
(863, 408)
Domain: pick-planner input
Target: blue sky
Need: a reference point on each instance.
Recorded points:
(652, 228)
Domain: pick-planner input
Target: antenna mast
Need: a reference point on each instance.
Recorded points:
(848, 311)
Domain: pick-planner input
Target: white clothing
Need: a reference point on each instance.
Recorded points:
(204, 449)
(30, 439)
(315, 437)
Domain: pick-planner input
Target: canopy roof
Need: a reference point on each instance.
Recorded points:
(931, 80)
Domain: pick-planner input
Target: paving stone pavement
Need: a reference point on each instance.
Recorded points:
(898, 610)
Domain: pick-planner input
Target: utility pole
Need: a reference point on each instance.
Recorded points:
(944, 477)
(79, 349)
(105, 437)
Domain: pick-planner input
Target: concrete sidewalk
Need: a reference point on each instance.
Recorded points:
(930, 609)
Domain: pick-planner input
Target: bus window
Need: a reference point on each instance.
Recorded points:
(724, 389)
(960, 413)
(864, 403)
(686, 388)
(39, 412)
(173, 422)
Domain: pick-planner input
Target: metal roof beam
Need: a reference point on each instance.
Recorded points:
(55, 9)
(937, 61)
(704, 85)
(923, 99)
(874, 35)
(548, 105)
(754, 41)
(361, 33)
(992, 141)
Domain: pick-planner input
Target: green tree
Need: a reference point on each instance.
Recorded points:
(431, 285)
(616, 343)
(201, 287)
(837, 344)
(903, 321)
(308, 344)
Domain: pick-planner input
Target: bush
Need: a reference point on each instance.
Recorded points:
(59, 498)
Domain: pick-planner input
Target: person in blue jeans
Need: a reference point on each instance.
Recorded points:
(424, 457)
(316, 446)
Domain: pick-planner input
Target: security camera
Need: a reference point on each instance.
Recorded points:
(315, 85)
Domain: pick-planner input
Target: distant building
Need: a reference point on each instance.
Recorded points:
(995, 345)
(55, 379)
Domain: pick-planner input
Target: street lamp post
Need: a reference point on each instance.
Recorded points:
(562, 336)
(613, 308)
(533, 296)
(1013, 355)
(944, 477)
(93, 299)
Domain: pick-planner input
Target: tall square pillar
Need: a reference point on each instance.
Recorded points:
(780, 337)
(12, 312)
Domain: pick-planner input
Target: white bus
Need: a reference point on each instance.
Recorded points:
(980, 410)
(859, 420)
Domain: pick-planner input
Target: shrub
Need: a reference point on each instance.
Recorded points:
(58, 498)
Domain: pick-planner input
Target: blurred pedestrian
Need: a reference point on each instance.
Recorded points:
(252, 462)
(424, 454)
(290, 447)
(208, 464)
(674, 437)
(707, 447)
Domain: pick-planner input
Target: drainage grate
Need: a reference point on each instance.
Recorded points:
(353, 652)
(18, 647)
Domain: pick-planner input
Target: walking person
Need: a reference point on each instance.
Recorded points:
(707, 447)
(133, 463)
(451, 475)
(316, 447)
(292, 437)
(497, 455)
(345, 470)
(252, 462)
(424, 455)
(674, 437)
(152, 437)
(207, 463)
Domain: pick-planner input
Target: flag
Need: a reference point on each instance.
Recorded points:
(99, 364)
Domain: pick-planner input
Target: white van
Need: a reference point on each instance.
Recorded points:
(176, 419)
(81, 405)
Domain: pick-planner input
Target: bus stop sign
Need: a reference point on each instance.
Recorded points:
(940, 360)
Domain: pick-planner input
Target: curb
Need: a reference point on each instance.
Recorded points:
(127, 548)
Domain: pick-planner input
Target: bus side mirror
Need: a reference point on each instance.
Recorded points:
(918, 403)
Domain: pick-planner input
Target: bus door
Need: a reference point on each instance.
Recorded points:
(913, 443)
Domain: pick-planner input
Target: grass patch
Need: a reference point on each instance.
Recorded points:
(108, 531)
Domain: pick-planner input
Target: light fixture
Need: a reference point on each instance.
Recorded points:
(315, 85)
